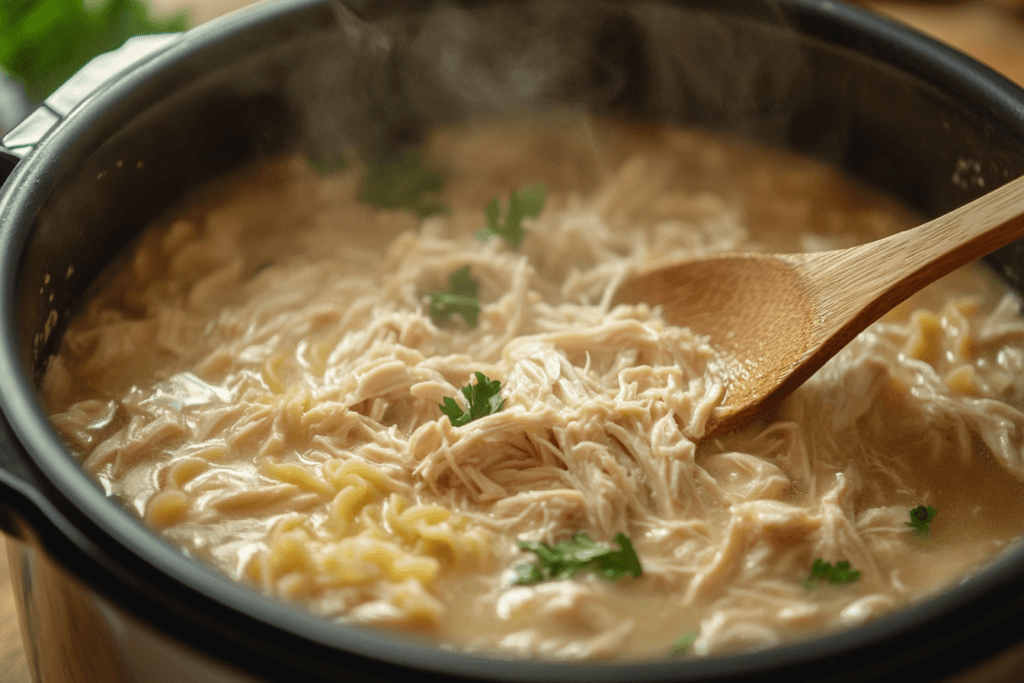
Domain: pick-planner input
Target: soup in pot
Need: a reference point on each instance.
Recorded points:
(397, 393)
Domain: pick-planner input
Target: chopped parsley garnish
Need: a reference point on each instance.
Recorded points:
(921, 518)
(406, 183)
(566, 559)
(684, 642)
(823, 572)
(482, 398)
(523, 203)
(462, 299)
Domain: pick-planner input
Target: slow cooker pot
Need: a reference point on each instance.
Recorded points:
(104, 599)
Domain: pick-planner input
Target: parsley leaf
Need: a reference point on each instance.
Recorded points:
(566, 559)
(407, 183)
(822, 572)
(921, 518)
(524, 203)
(482, 398)
(44, 42)
(462, 298)
(684, 642)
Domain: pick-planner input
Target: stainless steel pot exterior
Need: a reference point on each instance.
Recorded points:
(73, 635)
(832, 81)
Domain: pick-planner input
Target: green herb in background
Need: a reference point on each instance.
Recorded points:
(921, 518)
(524, 203)
(462, 298)
(822, 572)
(407, 183)
(482, 398)
(566, 559)
(44, 42)
(684, 642)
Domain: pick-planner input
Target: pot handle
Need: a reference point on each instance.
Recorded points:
(23, 138)
(25, 513)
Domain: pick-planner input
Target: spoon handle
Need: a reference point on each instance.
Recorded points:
(870, 279)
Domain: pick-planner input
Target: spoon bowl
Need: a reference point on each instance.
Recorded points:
(777, 318)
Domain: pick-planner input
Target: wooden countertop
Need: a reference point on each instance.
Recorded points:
(992, 31)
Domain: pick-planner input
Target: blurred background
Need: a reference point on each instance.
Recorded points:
(43, 42)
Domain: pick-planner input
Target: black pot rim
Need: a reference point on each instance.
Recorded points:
(208, 594)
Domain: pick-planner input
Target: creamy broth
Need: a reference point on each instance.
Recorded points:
(260, 381)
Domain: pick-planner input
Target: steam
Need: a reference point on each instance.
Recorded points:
(387, 78)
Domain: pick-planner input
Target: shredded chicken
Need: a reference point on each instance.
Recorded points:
(260, 381)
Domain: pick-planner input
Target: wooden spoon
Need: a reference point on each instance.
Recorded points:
(781, 316)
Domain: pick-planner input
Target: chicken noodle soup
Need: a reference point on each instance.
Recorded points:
(277, 379)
